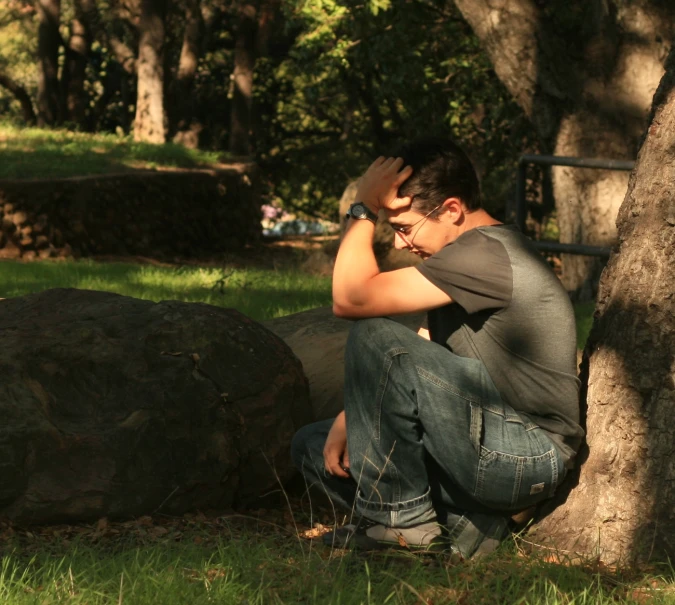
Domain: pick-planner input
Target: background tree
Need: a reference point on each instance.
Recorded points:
(184, 126)
(73, 102)
(49, 40)
(622, 507)
(150, 124)
(584, 73)
(242, 79)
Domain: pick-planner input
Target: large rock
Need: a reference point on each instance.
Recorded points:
(318, 338)
(113, 406)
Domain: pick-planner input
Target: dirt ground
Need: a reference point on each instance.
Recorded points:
(313, 254)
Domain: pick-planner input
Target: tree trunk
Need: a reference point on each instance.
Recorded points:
(149, 125)
(49, 40)
(183, 106)
(77, 52)
(242, 81)
(21, 95)
(587, 91)
(623, 508)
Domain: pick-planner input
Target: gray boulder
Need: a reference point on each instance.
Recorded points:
(117, 407)
(318, 338)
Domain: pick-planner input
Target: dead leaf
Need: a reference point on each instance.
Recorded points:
(102, 524)
(402, 542)
(315, 532)
(195, 357)
(174, 353)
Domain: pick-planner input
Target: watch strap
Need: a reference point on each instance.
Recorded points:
(367, 215)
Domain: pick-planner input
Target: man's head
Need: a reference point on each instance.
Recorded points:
(444, 189)
(441, 170)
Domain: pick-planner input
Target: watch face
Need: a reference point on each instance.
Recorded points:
(358, 210)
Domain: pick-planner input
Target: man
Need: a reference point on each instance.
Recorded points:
(448, 432)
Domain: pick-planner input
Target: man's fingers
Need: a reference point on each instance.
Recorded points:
(399, 202)
(403, 175)
(331, 463)
(377, 163)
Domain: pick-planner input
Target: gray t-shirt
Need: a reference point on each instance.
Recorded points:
(511, 312)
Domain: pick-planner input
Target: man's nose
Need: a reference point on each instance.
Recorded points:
(399, 242)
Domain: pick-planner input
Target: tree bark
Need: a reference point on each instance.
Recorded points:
(242, 81)
(623, 508)
(77, 53)
(587, 97)
(149, 125)
(21, 95)
(49, 40)
(183, 106)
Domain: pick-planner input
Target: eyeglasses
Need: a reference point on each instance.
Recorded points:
(404, 230)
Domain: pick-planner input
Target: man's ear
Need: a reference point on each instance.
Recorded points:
(455, 209)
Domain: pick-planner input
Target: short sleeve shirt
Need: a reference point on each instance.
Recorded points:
(510, 311)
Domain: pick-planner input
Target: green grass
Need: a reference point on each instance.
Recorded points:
(43, 153)
(225, 561)
(583, 313)
(258, 293)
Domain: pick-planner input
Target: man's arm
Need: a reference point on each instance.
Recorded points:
(359, 289)
(423, 330)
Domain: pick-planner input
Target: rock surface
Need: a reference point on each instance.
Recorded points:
(318, 338)
(117, 407)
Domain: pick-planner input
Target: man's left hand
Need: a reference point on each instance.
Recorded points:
(378, 187)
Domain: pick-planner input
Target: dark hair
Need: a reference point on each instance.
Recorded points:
(441, 169)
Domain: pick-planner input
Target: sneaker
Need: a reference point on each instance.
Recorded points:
(366, 535)
(475, 534)
(472, 535)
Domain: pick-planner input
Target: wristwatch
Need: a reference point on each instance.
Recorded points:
(360, 211)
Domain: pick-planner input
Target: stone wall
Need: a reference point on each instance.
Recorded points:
(173, 214)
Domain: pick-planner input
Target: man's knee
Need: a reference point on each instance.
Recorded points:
(373, 332)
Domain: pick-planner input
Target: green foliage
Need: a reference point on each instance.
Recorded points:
(340, 83)
(362, 78)
(583, 313)
(18, 42)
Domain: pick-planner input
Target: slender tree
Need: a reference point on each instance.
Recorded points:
(49, 41)
(242, 79)
(73, 102)
(622, 505)
(183, 104)
(149, 125)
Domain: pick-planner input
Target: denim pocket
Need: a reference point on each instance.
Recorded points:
(509, 482)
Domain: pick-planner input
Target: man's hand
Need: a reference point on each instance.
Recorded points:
(335, 455)
(378, 187)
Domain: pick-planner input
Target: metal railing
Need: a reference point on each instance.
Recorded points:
(551, 160)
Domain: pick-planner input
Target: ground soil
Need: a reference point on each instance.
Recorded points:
(267, 254)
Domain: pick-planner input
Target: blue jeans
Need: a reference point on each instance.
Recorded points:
(429, 436)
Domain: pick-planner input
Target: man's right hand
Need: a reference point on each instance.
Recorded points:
(335, 455)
